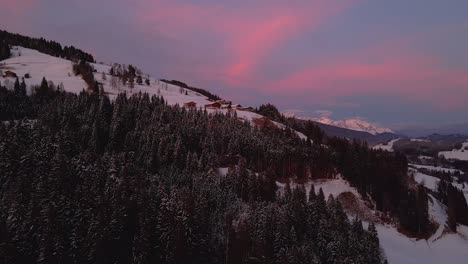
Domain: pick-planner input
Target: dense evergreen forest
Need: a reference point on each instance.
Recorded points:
(87, 180)
(45, 46)
(4, 50)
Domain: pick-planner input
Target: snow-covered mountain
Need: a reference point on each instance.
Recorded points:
(356, 124)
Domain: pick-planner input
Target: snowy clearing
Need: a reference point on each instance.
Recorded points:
(39, 65)
(458, 154)
(419, 140)
(434, 168)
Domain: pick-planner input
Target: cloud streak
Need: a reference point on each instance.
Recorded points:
(247, 34)
(383, 71)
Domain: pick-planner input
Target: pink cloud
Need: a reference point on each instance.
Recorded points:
(16, 6)
(392, 72)
(247, 34)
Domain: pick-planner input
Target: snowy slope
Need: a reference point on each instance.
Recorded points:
(38, 65)
(435, 168)
(388, 146)
(356, 124)
(431, 182)
(449, 249)
(459, 154)
(399, 249)
(60, 71)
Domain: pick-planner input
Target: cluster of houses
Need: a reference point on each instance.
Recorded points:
(220, 104)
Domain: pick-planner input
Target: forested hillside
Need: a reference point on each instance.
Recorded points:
(84, 179)
(136, 179)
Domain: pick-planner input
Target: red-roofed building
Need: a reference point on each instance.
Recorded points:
(190, 105)
(213, 106)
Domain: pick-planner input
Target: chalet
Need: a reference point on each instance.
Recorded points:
(10, 74)
(236, 106)
(213, 106)
(226, 106)
(190, 105)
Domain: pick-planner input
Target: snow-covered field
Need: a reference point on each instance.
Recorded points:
(419, 140)
(448, 249)
(425, 157)
(387, 147)
(40, 65)
(333, 187)
(459, 154)
(431, 182)
(434, 168)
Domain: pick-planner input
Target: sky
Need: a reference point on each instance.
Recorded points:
(396, 63)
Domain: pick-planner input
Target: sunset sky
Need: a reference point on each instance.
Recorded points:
(396, 62)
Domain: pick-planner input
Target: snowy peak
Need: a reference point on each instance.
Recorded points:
(356, 124)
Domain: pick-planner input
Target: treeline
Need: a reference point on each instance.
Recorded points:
(454, 199)
(201, 91)
(307, 127)
(87, 180)
(86, 71)
(16, 105)
(4, 50)
(45, 46)
(127, 75)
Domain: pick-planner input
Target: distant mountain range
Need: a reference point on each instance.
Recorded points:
(355, 124)
(420, 131)
(353, 128)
